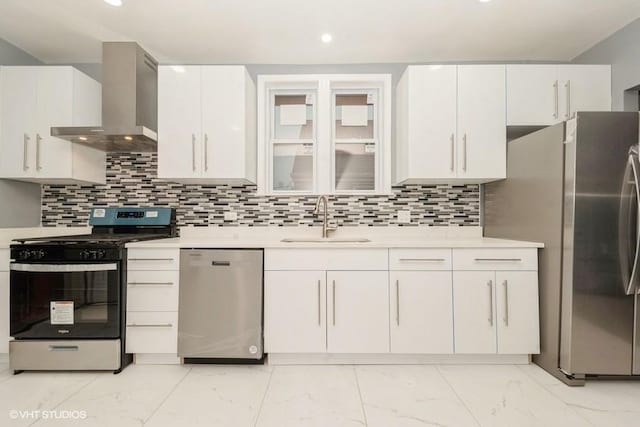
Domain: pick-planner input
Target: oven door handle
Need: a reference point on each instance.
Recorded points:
(62, 268)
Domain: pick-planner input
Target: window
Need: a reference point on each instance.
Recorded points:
(324, 134)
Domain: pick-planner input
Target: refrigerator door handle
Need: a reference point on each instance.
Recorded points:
(625, 226)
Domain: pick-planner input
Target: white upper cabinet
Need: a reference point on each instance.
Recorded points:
(451, 124)
(539, 95)
(482, 140)
(206, 124)
(426, 111)
(32, 100)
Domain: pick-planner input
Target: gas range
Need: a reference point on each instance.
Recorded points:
(68, 293)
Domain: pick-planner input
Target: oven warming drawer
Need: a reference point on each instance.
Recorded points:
(59, 355)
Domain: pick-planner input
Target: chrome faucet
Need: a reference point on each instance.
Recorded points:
(325, 226)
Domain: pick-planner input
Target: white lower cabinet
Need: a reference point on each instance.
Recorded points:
(496, 312)
(358, 312)
(4, 311)
(421, 312)
(153, 278)
(474, 312)
(517, 312)
(295, 312)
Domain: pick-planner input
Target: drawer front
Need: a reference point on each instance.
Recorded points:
(152, 332)
(62, 355)
(326, 259)
(5, 255)
(420, 259)
(152, 290)
(506, 259)
(153, 259)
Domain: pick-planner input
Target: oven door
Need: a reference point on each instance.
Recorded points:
(64, 300)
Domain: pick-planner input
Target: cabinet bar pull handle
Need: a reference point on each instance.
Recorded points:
(319, 319)
(464, 145)
(556, 96)
(193, 151)
(150, 259)
(490, 284)
(221, 263)
(206, 152)
(25, 152)
(398, 302)
(64, 348)
(422, 260)
(506, 303)
(150, 283)
(334, 303)
(567, 85)
(150, 325)
(38, 139)
(498, 259)
(452, 151)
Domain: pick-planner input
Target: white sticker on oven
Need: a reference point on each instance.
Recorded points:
(99, 213)
(152, 214)
(61, 312)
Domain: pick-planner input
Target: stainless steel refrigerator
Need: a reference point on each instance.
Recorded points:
(575, 187)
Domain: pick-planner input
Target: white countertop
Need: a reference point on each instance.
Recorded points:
(380, 237)
(8, 234)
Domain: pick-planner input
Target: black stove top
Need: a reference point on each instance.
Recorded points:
(94, 238)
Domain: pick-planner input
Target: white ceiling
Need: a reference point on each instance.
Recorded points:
(288, 31)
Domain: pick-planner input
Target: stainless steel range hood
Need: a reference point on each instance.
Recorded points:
(129, 103)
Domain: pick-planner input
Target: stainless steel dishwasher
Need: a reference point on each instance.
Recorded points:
(221, 293)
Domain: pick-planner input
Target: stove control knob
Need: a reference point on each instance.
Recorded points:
(84, 254)
(94, 254)
(102, 254)
(24, 254)
(41, 254)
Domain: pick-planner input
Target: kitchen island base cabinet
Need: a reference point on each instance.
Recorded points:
(357, 312)
(421, 312)
(298, 326)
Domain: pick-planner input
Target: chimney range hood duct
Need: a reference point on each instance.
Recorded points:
(129, 103)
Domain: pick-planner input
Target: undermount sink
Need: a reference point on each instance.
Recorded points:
(326, 240)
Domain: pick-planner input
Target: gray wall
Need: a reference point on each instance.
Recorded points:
(622, 51)
(19, 202)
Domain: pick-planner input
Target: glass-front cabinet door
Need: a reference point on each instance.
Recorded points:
(293, 141)
(354, 141)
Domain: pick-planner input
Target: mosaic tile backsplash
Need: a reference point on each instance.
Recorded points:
(132, 181)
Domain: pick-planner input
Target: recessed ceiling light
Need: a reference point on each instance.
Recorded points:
(178, 68)
(82, 138)
(114, 2)
(326, 38)
(128, 138)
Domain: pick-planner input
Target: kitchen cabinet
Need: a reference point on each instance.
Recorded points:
(475, 312)
(421, 312)
(451, 124)
(32, 100)
(4, 312)
(358, 312)
(517, 312)
(152, 304)
(540, 95)
(206, 124)
(295, 312)
(495, 294)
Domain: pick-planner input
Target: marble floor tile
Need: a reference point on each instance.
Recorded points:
(603, 403)
(506, 396)
(317, 396)
(37, 391)
(406, 396)
(123, 400)
(210, 395)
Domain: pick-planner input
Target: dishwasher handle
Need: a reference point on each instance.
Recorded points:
(221, 263)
